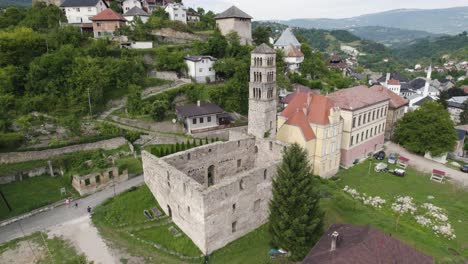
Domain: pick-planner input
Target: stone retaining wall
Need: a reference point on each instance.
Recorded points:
(15, 157)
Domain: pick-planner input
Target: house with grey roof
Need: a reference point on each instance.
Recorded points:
(200, 68)
(235, 20)
(79, 12)
(136, 12)
(288, 43)
(455, 107)
(202, 117)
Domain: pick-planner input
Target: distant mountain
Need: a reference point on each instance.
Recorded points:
(455, 47)
(391, 37)
(7, 3)
(440, 21)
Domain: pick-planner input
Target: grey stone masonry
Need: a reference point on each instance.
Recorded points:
(14, 157)
(218, 192)
(262, 93)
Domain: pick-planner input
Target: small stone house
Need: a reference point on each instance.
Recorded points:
(94, 182)
(106, 22)
(127, 5)
(202, 117)
(200, 68)
(177, 12)
(236, 20)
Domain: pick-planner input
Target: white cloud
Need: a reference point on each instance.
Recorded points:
(274, 9)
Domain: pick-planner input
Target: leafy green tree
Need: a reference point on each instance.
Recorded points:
(159, 109)
(261, 34)
(20, 46)
(169, 60)
(12, 16)
(216, 45)
(134, 101)
(114, 5)
(464, 114)
(42, 17)
(296, 220)
(428, 129)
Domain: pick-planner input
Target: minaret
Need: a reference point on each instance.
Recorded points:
(262, 92)
(428, 81)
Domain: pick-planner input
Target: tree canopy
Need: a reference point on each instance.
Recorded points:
(427, 129)
(296, 220)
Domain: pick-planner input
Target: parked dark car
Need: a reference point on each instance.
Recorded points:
(464, 168)
(380, 155)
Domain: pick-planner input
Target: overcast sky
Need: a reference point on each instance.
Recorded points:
(288, 9)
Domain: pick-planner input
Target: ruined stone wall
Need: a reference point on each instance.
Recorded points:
(14, 157)
(178, 193)
(239, 197)
(224, 156)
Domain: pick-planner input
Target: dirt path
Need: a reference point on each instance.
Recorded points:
(26, 252)
(425, 165)
(84, 236)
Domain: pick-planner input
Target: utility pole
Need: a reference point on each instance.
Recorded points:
(89, 102)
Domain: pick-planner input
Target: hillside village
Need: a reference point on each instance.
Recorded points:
(151, 131)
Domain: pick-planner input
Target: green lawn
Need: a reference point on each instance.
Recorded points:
(133, 165)
(162, 236)
(341, 208)
(61, 251)
(32, 193)
(124, 213)
(13, 168)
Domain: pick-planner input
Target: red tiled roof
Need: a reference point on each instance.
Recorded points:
(306, 108)
(396, 101)
(465, 89)
(357, 97)
(294, 52)
(108, 15)
(363, 245)
(299, 119)
(317, 107)
(393, 82)
(298, 88)
(87, 25)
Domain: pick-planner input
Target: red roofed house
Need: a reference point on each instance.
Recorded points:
(313, 121)
(396, 109)
(364, 114)
(106, 22)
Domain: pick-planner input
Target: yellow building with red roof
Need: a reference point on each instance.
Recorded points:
(313, 121)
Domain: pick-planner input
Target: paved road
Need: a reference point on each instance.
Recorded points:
(62, 214)
(425, 165)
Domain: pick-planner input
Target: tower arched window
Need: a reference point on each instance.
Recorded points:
(261, 62)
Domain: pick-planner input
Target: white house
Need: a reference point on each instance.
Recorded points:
(177, 12)
(136, 12)
(288, 43)
(129, 4)
(200, 68)
(80, 11)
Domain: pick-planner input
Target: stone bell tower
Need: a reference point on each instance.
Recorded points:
(262, 92)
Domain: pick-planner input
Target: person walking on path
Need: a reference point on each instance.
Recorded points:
(89, 210)
(76, 204)
(67, 203)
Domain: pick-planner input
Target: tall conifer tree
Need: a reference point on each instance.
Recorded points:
(296, 220)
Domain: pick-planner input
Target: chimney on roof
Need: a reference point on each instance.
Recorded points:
(198, 103)
(387, 79)
(334, 239)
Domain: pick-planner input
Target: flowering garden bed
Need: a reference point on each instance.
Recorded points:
(431, 217)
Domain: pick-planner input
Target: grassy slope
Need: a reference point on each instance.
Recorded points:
(341, 208)
(32, 193)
